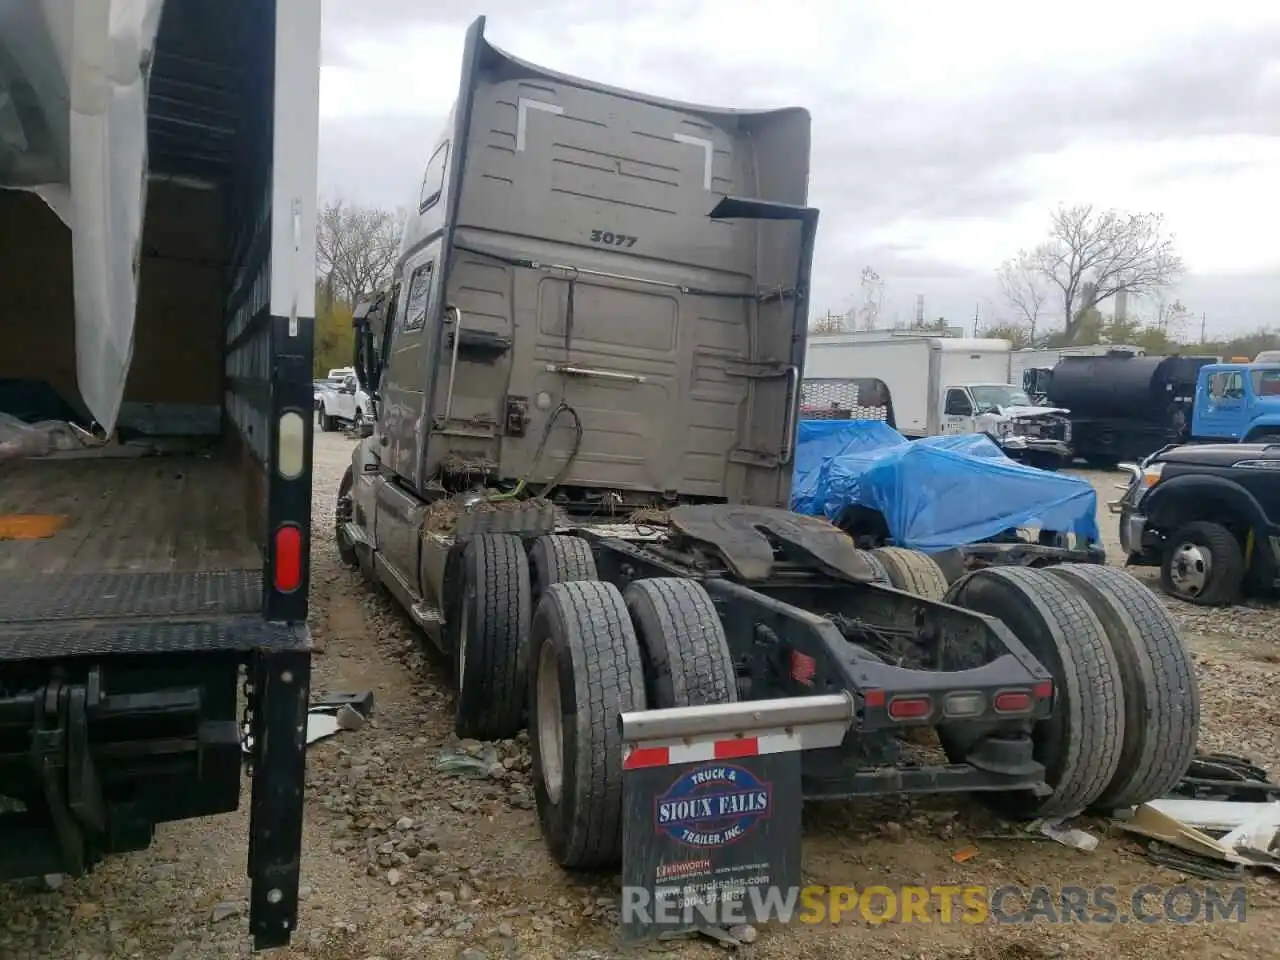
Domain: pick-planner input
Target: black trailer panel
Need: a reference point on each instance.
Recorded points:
(1122, 386)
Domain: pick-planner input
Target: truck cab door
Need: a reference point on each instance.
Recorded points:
(1221, 409)
(957, 411)
(404, 380)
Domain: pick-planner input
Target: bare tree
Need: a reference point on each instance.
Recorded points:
(828, 323)
(872, 299)
(1170, 315)
(1024, 287)
(1106, 251)
(356, 248)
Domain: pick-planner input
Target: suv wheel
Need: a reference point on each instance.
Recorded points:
(1203, 564)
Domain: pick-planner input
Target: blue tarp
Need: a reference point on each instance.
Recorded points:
(936, 493)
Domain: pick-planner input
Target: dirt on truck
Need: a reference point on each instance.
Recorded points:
(585, 380)
(156, 258)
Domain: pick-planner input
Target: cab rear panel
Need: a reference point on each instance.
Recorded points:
(643, 315)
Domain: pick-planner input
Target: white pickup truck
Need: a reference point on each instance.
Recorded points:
(339, 399)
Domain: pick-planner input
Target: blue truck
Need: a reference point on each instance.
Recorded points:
(1237, 402)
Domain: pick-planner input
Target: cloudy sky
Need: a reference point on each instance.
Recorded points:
(943, 132)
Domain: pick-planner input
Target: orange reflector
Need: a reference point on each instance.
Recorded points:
(31, 526)
(909, 708)
(288, 567)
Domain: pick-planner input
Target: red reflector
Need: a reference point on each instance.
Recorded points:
(733, 749)
(1043, 690)
(288, 567)
(646, 757)
(909, 708)
(1012, 701)
(803, 667)
(873, 698)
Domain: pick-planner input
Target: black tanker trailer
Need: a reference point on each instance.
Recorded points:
(1124, 407)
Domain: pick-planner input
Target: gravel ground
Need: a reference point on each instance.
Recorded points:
(411, 852)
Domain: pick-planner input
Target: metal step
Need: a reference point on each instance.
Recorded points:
(102, 596)
(59, 639)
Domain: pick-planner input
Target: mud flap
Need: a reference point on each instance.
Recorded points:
(711, 821)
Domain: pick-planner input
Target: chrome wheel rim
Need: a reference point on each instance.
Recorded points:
(1190, 569)
(549, 723)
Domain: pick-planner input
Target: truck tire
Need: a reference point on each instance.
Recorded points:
(686, 654)
(323, 420)
(913, 572)
(346, 551)
(586, 668)
(1161, 698)
(493, 629)
(881, 574)
(1079, 745)
(1203, 564)
(559, 559)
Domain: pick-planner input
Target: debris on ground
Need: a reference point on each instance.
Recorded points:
(1072, 837)
(1212, 837)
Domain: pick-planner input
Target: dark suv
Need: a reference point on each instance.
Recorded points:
(1209, 516)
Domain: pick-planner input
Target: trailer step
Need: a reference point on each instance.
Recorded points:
(98, 596)
(62, 639)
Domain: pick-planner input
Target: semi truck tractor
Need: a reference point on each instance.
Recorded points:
(586, 382)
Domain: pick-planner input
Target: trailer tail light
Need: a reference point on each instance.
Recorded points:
(1014, 701)
(910, 708)
(288, 565)
(959, 705)
(1043, 690)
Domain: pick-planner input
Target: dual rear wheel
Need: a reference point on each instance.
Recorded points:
(1123, 729)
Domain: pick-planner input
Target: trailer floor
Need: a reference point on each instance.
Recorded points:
(170, 514)
(107, 555)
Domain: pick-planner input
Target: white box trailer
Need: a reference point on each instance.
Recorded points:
(157, 262)
(915, 369)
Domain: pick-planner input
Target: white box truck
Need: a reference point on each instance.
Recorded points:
(157, 256)
(924, 386)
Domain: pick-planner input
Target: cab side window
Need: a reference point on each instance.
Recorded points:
(1266, 383)
(958, 404)
(433, 179)
(415, 308)
(1227, 385)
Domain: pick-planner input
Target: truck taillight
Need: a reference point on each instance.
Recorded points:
(1013, 701)
(288, 565)
(910, 708)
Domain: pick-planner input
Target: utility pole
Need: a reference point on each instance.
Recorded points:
(1202, 326)
(975, 319)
